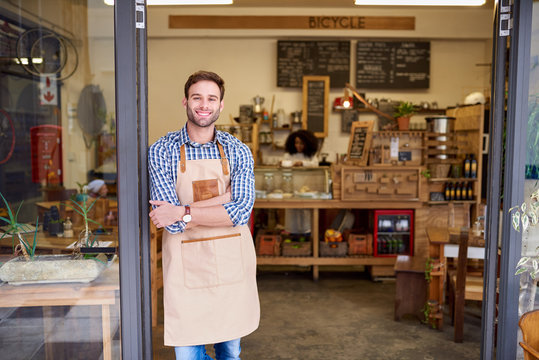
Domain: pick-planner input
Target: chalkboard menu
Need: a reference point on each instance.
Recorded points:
(315, 104)
(393, 64)
(298, 58)
(360, 142)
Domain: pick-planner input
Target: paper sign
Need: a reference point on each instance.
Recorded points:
(48, 90)
(394, 148)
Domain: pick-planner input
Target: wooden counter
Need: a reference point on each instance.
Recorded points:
(378, 266)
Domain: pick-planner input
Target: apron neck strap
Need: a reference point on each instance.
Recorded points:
(224, 162)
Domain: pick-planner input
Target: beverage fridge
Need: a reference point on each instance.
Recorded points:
(393, 232)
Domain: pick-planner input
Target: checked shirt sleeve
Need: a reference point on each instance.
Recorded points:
(162, 181)
(242, 183)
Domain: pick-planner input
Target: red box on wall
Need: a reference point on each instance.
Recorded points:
(46, 146)
(393, 232)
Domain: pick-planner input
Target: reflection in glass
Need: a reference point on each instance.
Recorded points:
(58, 133)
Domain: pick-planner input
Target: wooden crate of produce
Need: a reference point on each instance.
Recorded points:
(330, 249)
(296, 248)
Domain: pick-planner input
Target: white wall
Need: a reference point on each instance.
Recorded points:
(246, 59)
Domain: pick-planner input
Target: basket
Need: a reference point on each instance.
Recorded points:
(331, 249)
(268, 244)
(439, 170)
(359, 244)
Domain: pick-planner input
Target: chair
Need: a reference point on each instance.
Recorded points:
(462, 286)
(156, 237)
(529, 324)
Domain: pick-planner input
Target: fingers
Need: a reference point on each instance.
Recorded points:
(158, 202)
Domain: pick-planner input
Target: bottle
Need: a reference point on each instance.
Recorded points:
(68, 228)
(473, 166)
(467, 166)
(447, 191)
(469, 191)
(452, 191)
(458, 192)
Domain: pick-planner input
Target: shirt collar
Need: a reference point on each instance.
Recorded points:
(184, 138)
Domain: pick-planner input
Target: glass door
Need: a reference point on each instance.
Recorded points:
(62, 206)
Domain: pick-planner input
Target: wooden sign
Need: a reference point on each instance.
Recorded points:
(316, 104)
(292, 22)
(360, 142)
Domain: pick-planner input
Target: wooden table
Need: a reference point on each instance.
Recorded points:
(54, 243)
(102, 291)
(442, 245)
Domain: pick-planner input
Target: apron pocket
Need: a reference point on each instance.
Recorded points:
(212, 261)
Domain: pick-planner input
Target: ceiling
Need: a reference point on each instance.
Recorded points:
(309, 3)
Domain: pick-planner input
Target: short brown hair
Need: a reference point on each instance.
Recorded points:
(204, 75)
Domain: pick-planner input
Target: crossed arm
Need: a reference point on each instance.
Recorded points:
(208, 212)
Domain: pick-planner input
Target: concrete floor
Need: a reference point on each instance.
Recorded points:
(342, 316)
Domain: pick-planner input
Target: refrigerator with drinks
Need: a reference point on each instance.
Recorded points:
(393, 232)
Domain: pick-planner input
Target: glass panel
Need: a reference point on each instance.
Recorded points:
(530, 237)
(57, 136)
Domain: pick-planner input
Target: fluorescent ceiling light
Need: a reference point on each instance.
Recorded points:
(181, 2)
(422, 2)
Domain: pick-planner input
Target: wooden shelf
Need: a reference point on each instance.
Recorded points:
(451, 201)
(452, 179)
(311, 260)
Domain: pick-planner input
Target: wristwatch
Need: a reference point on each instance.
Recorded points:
(187, 216)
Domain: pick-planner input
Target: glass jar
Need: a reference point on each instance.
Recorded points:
(288, 182)
(268, 182)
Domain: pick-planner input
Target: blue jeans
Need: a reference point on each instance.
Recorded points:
(228, 350)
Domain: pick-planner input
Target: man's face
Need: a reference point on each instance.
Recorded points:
(203, 104)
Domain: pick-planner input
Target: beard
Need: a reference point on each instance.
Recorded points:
(205, 122)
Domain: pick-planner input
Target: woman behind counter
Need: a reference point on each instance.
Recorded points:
(301, 147)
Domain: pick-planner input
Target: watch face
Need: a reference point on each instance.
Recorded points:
(186, 218)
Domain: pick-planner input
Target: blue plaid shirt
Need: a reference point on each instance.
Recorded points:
(163, 158)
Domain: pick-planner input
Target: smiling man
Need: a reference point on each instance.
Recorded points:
(202, 190)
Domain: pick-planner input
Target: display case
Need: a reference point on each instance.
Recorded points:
(272, 182)
(393, 232)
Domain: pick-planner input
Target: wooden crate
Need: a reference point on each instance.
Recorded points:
(359, 244)
(297, 248)
(268, 244)
(330, 249)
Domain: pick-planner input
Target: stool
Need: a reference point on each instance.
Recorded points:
(410, 286)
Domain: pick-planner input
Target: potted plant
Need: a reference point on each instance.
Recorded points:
(31, 268)
(403, 113)
(83, 209)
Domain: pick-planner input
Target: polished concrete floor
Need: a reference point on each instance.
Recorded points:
(342, 316)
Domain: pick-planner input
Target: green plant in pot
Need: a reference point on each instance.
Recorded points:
(17, 231)
(31, 268)
(83, 209)
(403, 113)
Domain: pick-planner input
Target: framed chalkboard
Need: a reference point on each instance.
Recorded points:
(296, 59)
(315, 104)
(393, 64)
(360, 142)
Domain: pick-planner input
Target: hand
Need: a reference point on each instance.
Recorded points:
(165, 213)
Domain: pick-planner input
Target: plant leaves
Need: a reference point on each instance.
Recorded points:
(523, 260)
(520, 271)
(516, 220)
(533, 218)
(525, 221)
(523, 207)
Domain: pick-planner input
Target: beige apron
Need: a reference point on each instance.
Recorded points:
(209, 273)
